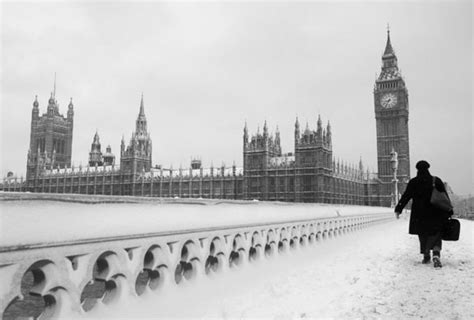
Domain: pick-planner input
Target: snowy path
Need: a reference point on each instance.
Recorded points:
(370, 274)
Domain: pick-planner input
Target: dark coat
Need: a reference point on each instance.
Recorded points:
(424, 219)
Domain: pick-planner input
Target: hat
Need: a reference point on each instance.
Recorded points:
(422, 165)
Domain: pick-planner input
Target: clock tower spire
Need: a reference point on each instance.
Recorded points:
(391, 115)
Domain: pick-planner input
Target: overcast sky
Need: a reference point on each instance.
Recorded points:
(206, 68)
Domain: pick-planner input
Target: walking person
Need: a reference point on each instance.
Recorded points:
(426, 220)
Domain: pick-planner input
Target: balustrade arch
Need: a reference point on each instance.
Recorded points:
(80, 277)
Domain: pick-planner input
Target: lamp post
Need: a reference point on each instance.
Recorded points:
(394, 162)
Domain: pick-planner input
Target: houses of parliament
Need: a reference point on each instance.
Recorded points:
(308, 174)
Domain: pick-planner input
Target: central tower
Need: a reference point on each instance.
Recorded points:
(136, 158)
(313, 162)
(50, 137)
(391, 114)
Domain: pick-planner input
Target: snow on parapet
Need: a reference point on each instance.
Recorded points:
(154, 216)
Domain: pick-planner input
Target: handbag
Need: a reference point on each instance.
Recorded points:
(439, 199)
(451, 230)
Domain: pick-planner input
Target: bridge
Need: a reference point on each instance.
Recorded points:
(59, 259)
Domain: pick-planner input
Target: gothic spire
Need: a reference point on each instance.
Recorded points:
(388, 47)
(265, 131)
(141, 122)
(246, 133)
(297, 131)
(277, 136)
(96, 137)
(142, 107)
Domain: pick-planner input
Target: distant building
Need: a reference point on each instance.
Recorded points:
(308, 174)
(50, 138)
(95, 156)
(196, 164)
(136, 157)
(108, 157)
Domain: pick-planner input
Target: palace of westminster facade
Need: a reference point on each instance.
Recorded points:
(309, 174)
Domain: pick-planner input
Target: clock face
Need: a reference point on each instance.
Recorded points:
(388, 100)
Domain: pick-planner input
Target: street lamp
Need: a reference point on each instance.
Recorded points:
(394, 162)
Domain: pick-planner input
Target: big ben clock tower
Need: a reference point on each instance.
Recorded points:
(391, 114)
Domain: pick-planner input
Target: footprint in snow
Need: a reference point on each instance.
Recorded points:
(354, 280)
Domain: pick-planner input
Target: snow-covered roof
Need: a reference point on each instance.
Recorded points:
(284, 160)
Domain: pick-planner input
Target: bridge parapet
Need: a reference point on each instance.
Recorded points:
(60, 279)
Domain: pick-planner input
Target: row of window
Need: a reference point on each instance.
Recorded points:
(58, 144)
(389, 85)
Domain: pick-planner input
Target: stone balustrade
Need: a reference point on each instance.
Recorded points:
(63, 279)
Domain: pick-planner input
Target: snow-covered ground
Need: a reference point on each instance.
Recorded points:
(370, 274)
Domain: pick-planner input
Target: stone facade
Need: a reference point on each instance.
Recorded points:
(391, 114)
(50, 137)
(310, 173)
(95, 156)
(136, 157)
